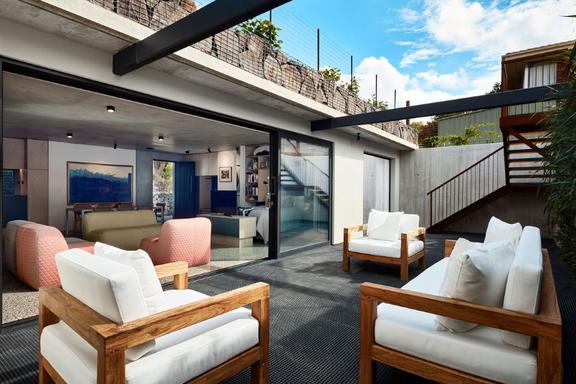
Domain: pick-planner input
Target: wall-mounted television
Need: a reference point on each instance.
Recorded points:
(99, 183)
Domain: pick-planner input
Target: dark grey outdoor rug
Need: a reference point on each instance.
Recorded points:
(314, 318)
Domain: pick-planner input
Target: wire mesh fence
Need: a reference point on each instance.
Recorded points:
(259, 56)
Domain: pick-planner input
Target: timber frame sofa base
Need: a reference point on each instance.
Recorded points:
(111, 340)
(546, 327)
(403, 261)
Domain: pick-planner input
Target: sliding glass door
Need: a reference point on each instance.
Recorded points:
(304, 193)
(376, 184)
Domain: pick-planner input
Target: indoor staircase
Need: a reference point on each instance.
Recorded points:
(304, 175)
(518, 164)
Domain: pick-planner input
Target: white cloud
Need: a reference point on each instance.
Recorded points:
(422, 87)
(409, 15)
(489, 31)
(420, 54)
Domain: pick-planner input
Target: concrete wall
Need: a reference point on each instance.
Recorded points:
(59, 154)
(525, 207)
(36, 47)
(144, 161)
(427, 168)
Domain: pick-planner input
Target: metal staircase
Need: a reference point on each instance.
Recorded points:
(299, 173)
(518, 164)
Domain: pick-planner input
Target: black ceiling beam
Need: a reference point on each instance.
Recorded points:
(492, 100)
(197, 26)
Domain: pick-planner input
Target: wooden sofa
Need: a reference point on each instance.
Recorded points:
(112, 340)
(546, 327)
(403, 259)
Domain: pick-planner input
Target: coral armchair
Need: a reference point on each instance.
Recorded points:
(181, 240)
(36, 247)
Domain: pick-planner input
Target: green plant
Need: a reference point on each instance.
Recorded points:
(381, 105)
(490, 136)
(353, 86)
(265, 29)
(560, 170)
(331, 73)
(471, 133)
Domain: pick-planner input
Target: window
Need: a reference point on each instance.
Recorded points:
(376, 184)
(537, 75)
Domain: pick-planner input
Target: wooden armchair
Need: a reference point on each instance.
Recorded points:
(111, 340)
(389, 255)
(546, 326)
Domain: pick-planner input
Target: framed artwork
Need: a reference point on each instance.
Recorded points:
(225, 174)
(99, 183)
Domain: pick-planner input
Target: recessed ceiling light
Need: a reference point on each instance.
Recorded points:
(161, 138)
(111, 108)
(149, 148)
(187, 152)
(69, 135)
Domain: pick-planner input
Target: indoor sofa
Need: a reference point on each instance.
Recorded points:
(403, 331)
(122, 229)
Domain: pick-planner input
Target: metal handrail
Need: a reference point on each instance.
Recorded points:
(477, 181)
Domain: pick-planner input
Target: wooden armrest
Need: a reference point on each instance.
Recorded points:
(147, 328)
(414, 233)
(78, 316)
(532, 325)
(357, 228)
(448, 247)
(171, 269)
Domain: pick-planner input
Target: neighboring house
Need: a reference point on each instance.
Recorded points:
(487, 121)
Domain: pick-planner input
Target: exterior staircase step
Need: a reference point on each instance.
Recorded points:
(525, 159)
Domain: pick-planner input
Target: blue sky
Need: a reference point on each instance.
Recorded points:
(427, 50)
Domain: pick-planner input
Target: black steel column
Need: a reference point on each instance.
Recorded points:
(1, 183)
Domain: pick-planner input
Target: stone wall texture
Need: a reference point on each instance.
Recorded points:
(253, 54)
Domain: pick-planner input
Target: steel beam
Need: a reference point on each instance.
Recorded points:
(199, 25)
(492, 100)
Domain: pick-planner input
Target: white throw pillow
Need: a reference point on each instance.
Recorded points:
(384, 225)
(478, 276)
(499, 230)
(462, 245)
(139, 260)
(409, 222)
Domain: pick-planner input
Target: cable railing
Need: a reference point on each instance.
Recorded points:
(474, 183)
(258, 56)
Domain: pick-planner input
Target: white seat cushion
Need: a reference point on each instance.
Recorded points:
(524, 282)
(139, 260)
(176, 358)
(384, 225)
(383, 247)
(480, 352)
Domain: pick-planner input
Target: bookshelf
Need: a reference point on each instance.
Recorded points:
(257, 173)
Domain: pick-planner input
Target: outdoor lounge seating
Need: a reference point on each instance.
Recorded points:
(181, 240)
(403, 331)
(36, 248)
(110, 322)
(402, 243)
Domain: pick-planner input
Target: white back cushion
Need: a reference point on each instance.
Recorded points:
(409, 222)
(109, 288)
(524, 282)
(479, 276)
(384, 225)
(139, 260)
(499, 230)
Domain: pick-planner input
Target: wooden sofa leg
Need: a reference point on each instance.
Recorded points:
(421, 263)
(549, 361)
(259, 371)
(368, 309)
(43, 374)
(345, 261)
(404, 271)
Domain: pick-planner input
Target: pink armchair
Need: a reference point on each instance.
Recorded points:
(181, 240)
(36, 248)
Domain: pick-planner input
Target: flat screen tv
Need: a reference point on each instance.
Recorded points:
(99, 183)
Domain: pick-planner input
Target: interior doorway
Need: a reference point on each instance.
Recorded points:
(163, 189)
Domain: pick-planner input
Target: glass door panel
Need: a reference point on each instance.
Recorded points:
(304, 193)
(376, 184)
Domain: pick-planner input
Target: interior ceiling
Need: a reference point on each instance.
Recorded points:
(43, 110)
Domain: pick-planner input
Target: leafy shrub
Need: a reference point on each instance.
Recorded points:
(331, 73)
(265, 29)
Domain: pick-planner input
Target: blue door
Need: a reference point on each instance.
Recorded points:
(185, 190)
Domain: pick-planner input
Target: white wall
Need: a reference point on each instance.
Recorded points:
(32, 46)
(206, 163)
(60, 154)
